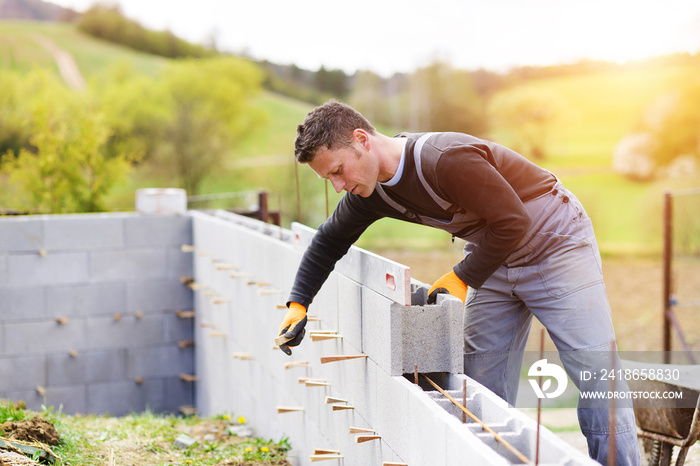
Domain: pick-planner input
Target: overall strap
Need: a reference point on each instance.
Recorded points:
(417, 157)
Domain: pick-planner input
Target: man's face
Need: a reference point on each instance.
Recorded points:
(351, 168)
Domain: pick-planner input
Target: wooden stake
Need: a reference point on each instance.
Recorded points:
(138, 315)
(366, 438)
(61, 320)
(42, 252)
(139, 380)
(323, 451)
(188, 377)
(359, 430)
(342, 407)
(322, 332)
(217, 333)
(290, 365)
(280, 306)
(185, 344)
(73, 353)
(188, 410)
(186, 280)
(263, 292)
(41, 390)
(341, 357)
(220, 300)
(498, 438)
(185, 314)
(330, 400)
(310, 379)
(196, 286)
(281, 340)
(206, 325)
(315, 458)
(209, 293)
(187, 248)
(226, 267)
(323, 337)
(415, 374)
(392, 463)
(243, 356)
(317, 383)
(117, 316)
(240, 275)
(289, 409)
(312, 318)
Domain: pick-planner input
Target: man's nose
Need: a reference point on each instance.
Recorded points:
(338, 184)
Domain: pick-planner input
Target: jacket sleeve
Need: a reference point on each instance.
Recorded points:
(331, 242)
(469, 177)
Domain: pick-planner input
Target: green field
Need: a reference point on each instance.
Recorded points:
(599, 109)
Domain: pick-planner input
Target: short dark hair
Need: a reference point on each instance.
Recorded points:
(329, 125)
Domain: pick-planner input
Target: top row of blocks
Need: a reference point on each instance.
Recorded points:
(91, 231)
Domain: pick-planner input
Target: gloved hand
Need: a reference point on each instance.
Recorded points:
(448, 283)
(292, 328)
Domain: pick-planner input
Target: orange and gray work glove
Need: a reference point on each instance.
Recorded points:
(292, 329)
(448, 283)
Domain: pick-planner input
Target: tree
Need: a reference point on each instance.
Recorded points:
(66, 169)
(528, 114)
(209, 107)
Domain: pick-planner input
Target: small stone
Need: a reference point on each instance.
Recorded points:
(241, 431)
(184, 441)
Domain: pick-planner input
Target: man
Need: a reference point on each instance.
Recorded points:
(530, 249)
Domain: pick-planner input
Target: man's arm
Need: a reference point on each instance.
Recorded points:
(469, 178)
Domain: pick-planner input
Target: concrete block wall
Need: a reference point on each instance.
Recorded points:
(114, 282)
(243, 274)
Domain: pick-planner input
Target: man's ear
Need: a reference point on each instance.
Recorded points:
(361, 136)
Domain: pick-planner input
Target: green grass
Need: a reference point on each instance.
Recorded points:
(148, 438)
(92, 56)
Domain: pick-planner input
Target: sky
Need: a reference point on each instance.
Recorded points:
(388, 36)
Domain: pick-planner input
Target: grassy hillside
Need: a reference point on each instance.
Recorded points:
(599, 109)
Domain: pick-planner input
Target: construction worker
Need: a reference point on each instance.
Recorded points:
(530, 249)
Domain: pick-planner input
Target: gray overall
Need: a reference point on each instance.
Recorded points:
(555, 274)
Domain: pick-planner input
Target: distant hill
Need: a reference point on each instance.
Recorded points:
(35, 10)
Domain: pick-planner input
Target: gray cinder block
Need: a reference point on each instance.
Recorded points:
(21, 234)
(158, 230)
(22, 303)
(86, 367)
(22, 372)
(81, 300)
(44, 337)
(146, 263)
(51, 269)
(86, 231)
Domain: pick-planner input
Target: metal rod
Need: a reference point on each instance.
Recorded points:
(464, 401)
(498, 438)
(296, 177)
(668, 250)
(672, 318)
(612, 441)
(539, 403)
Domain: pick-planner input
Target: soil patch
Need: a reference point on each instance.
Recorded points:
(35, 429)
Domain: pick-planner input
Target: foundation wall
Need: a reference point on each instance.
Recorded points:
(87, 312)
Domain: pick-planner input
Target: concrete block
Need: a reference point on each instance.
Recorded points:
(128, 332)
(381, 335)
(21, 234)
(22, 372)
(158, 230)
(179, 264)
(4, 275)
(87, 367)
(350, 311)
(70, 399)
(432, 336)
(177, 329)
(159, 361)
(43, 337)
(91, 231)
(177, 393)
(82, 300)
(52, 269)
(157, 296)
(22, 303)
(127, 264)
(120, 398)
